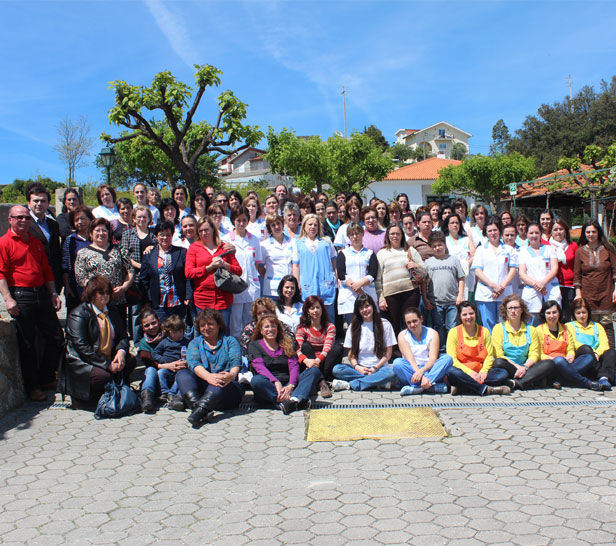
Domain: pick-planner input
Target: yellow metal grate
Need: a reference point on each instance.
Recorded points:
(334, 425)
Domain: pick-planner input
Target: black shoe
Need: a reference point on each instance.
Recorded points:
(176, 403)
(199, 416)
(204, 409)
(147, 401)
(595, 386)
(556, 385)
(191, 399)
(288, 406)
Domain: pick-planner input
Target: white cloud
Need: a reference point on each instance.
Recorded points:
(299, 43)
(175, 31)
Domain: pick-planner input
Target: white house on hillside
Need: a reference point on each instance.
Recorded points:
(248, 166)
(438, 139)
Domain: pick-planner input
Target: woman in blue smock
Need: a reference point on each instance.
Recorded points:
(594, 357)
(314, 263)
(517, 347)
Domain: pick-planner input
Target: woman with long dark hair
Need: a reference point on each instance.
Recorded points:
(289, 303)
(545, 221)
(316, 339)
(565, 250)
(594, 272)
(370, 340)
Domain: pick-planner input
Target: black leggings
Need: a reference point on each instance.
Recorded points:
(397, 304)
(333, 357)
(536, 372)
(606, 365)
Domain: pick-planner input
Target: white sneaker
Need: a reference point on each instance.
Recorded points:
(245, 378)
(340, 385)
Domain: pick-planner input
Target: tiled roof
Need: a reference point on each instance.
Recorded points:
(540, 186)
(422, 170)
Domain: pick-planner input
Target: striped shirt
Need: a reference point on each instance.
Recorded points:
(321, 340)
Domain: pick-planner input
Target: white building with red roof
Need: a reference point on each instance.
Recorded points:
(437, 139)
(415, 180)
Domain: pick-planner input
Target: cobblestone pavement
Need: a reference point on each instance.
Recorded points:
(509, 473)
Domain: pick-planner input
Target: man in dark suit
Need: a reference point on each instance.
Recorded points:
(162, 279)
(45, 228)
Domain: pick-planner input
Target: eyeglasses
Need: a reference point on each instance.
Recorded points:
(513, 308)
(22, 217)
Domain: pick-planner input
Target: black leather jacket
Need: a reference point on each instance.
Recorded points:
(83, 341)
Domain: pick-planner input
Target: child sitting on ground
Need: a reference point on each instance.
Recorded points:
(168, 357)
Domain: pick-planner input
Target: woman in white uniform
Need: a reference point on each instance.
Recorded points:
(495, 267)
(357, 268)
(538, 267)
(276, 251)
(248, 255)
(459, 245)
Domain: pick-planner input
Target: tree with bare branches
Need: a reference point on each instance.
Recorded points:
(74, 143)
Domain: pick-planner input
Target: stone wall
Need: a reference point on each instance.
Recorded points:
(11, 385)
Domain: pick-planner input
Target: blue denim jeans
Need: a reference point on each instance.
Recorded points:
(459, 378)
(159, 381)
(265, 391)
(404, 371)
(488, 313)
(226, 398)
(360, 382)
(444, 318)
(575, 373)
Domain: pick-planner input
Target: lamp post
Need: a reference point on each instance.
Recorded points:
(107, 156)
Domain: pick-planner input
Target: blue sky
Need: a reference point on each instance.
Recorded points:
(406, 64)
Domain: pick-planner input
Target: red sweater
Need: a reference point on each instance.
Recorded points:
(565, 271)
(205, 293)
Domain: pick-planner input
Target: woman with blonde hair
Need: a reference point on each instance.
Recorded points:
(314, 263)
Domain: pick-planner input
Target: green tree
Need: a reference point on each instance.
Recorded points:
(16, 192)
(180, 138)
(402, 152)
(377, 136)
(564, 129)
(136, 160)
(459, 151)
(344, 164)
(500, 138)
(485, 177)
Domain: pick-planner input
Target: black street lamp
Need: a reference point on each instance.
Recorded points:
(107, 156)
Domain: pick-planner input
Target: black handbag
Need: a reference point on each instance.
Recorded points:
(117, 400)
(227, 281)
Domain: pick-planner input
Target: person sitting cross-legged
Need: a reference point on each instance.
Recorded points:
(370, 340)
(276, 381)
(470, 347)
(420, 368)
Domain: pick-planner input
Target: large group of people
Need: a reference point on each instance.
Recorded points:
(433, 301)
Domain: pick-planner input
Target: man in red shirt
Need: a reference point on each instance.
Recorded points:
(28, 288)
